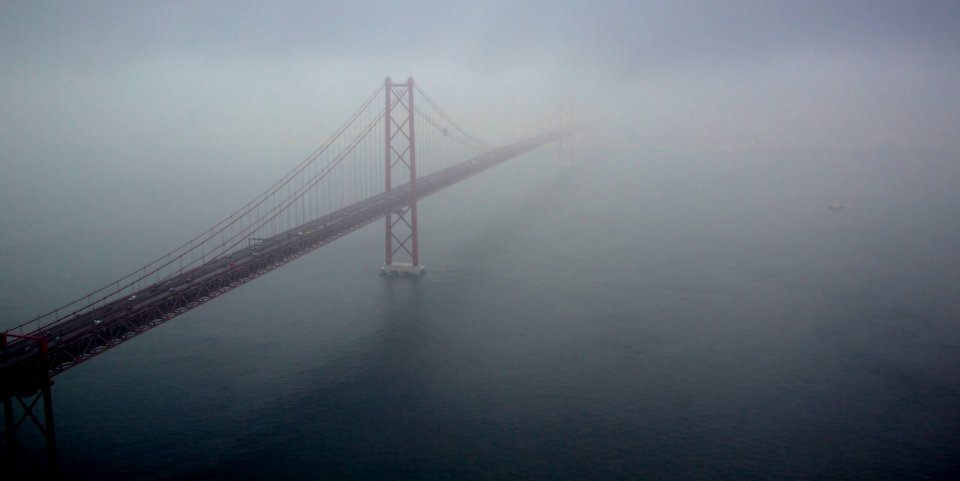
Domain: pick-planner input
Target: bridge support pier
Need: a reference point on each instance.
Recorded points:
(401, 154)
(43, 421)
(23, 393)
(20, 409)
(402, 269)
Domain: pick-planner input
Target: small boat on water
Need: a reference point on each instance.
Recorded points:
(836, 207)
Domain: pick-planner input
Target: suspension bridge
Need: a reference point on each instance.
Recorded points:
(386, 157)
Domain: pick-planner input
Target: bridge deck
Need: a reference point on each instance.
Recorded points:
(84, 335)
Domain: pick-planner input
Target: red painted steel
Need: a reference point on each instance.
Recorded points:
(388, 116)
(41, 341)
(415, 245)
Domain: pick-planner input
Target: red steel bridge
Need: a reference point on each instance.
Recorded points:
(389, 154)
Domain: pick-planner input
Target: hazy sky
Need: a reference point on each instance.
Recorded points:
(104, 93)
(721, 74)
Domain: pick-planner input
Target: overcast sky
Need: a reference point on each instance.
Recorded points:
(877, 71)
(110, 81)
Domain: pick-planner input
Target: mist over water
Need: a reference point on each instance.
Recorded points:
(630, 317)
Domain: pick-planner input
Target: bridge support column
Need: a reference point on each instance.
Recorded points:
(8, 431)
(19, 456)
(22, 393)
(402, 238)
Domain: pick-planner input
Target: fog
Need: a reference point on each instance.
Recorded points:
(168, 116)
(713, 127)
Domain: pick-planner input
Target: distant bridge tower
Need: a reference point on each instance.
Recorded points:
(567, 116)
(401, 161)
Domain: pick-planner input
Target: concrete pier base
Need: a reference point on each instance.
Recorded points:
(402, 269)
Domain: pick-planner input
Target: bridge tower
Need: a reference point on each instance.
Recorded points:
(400, 163)
(566, 146)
